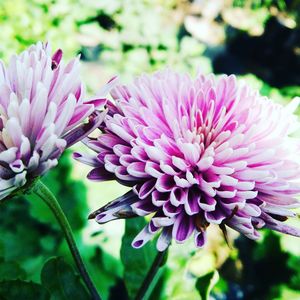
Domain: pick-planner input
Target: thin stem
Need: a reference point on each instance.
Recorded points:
(45, 194)
(151, 274)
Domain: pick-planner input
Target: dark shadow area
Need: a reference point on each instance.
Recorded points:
(274, 56)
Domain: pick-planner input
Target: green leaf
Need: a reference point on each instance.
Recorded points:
(11, 270)
(18, 289)
(60, 280)
(205, 284)
(136, 262)
(105, 270)
(160, 285)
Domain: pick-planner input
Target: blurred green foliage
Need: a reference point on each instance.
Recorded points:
(282, 5)
(130, 37)
(130, 40)
(136, 262)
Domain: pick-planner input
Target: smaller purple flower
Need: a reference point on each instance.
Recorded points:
(197, 152)
(42, 112)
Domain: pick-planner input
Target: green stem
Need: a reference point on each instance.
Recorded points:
(157, 263)
(45, 194)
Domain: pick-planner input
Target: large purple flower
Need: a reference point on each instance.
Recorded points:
(197, 151)
(41, 113)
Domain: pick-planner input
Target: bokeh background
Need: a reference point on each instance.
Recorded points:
(257, 40)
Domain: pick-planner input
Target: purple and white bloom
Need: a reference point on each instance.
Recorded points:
(42, 109)
(197, 152)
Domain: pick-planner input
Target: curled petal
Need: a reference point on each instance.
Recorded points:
(116, 209)
(80, 132)
(183, 228)
(273, 224)
(200, 239)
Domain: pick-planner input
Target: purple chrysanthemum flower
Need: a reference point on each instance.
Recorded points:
(41, 113)
(197, 151)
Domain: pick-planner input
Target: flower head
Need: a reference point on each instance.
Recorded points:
(41, 113)
(197, 152)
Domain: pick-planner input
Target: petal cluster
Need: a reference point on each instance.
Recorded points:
(41, 113)
(197, 151)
